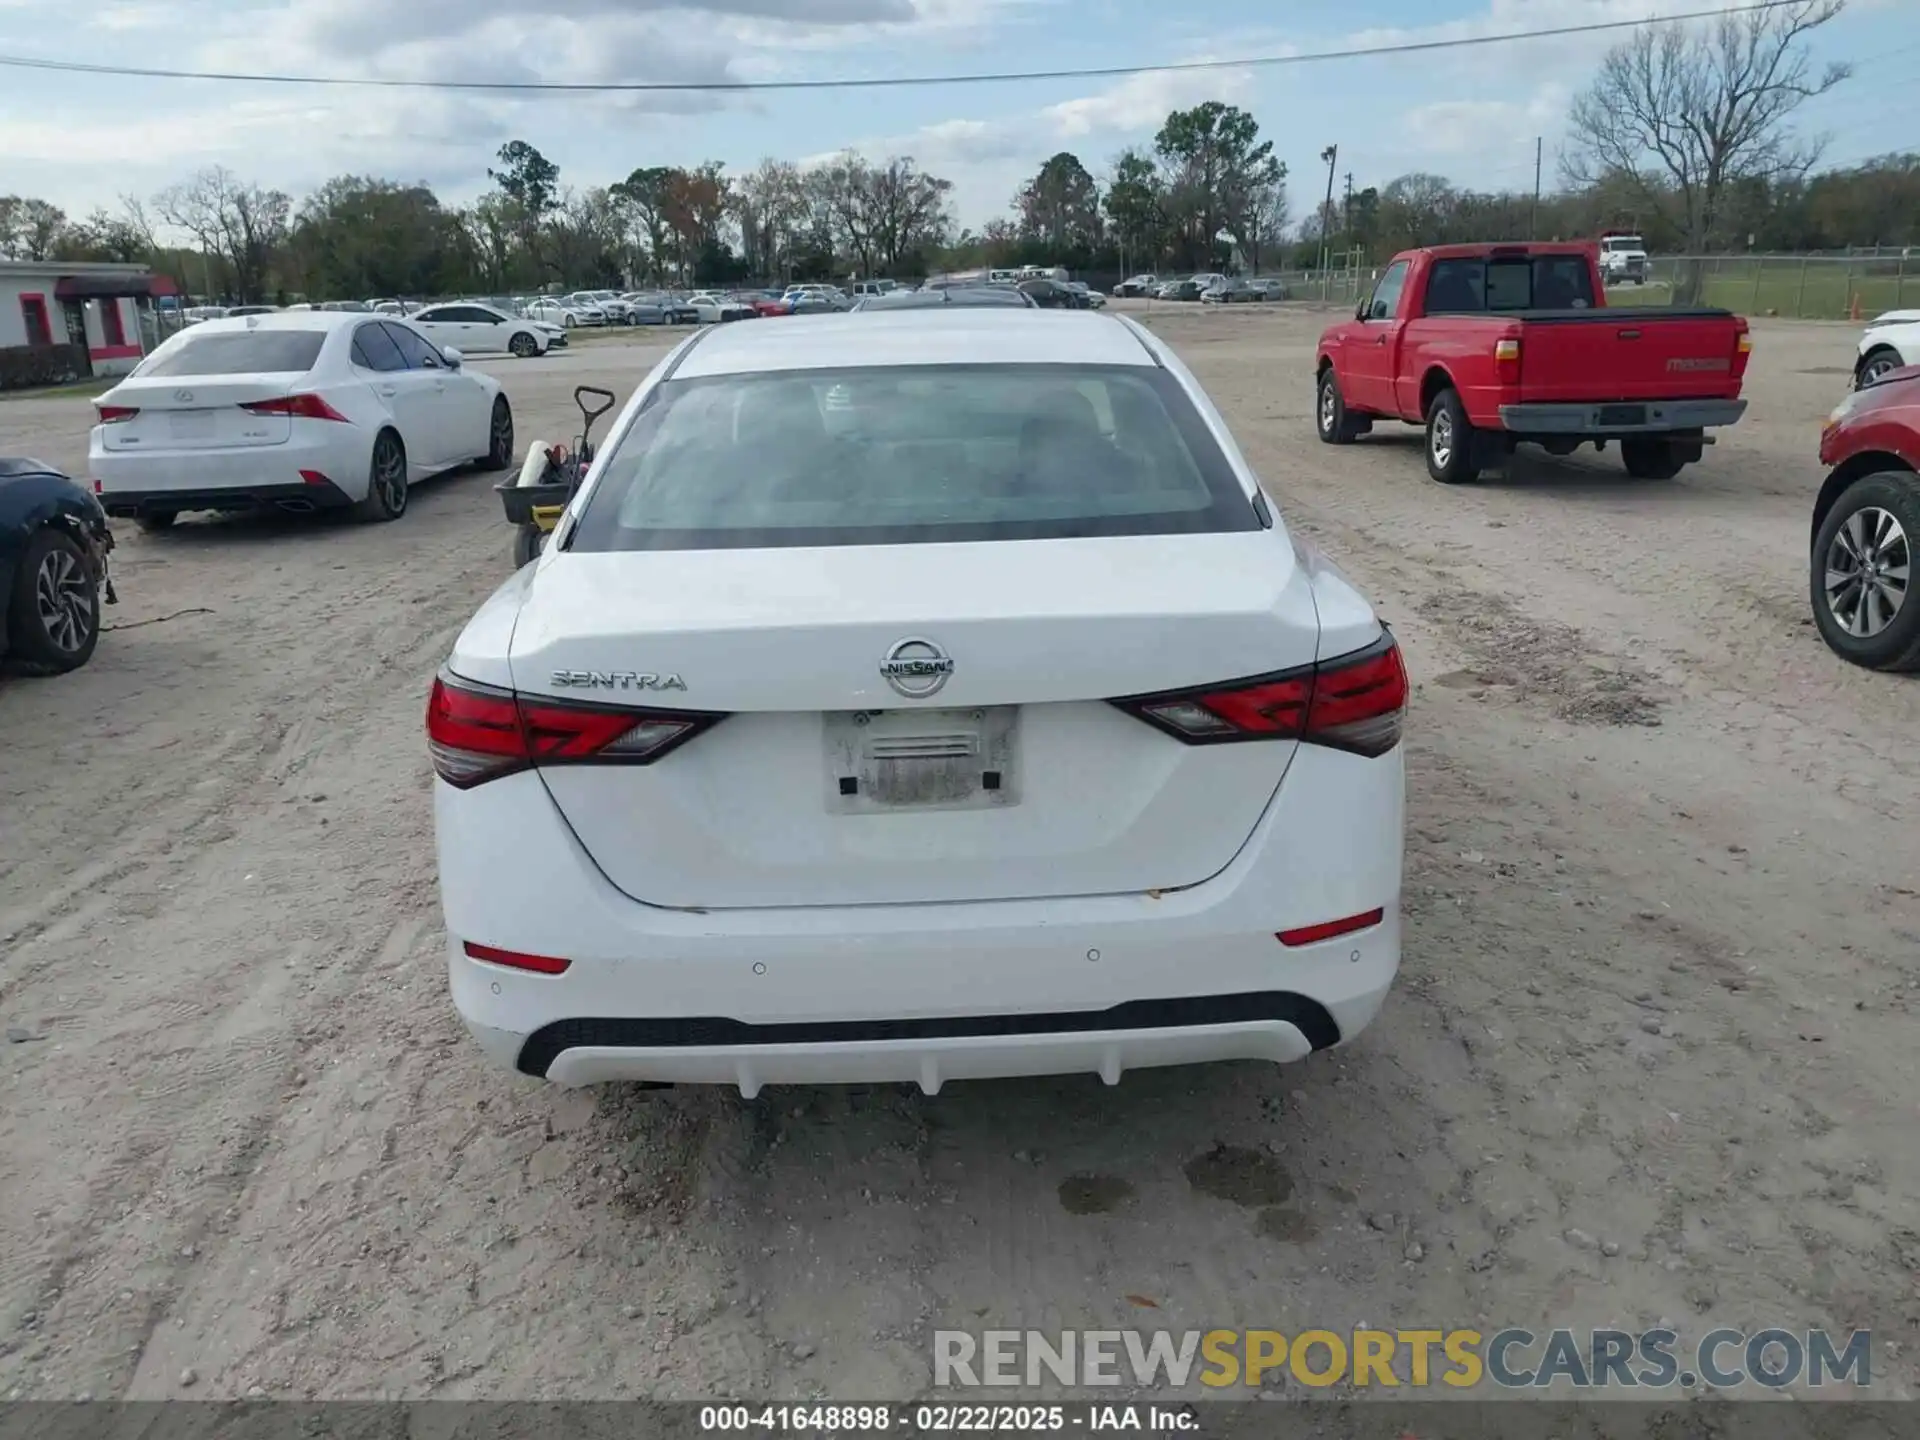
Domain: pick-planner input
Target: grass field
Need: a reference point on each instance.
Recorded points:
(1810, 288)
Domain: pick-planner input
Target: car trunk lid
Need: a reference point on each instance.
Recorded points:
(826, 785)
(189, 413)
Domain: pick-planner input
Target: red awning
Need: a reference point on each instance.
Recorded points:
(134, 284)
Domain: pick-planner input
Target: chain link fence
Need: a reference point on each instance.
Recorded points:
(1806, 287)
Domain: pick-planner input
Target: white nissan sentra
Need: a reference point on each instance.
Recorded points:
(918, 697)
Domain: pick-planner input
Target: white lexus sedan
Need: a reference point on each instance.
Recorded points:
(471, 327)
(986, 721)
(298, 411)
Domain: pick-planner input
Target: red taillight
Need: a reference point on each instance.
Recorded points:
(1742, 351)
(1331, 929)
(514, 960)
(1506, 361)
(1355, 703)
(476, 733)
(117, 414)
(300, 407)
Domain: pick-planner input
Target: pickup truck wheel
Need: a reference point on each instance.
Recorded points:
(1330, 413)
(1862, 572)
(1651, 459)
(1450, 441)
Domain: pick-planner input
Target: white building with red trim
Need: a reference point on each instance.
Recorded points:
(79, 303)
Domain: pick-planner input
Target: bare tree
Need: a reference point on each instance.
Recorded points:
(771, 206)
(907, 209)
(1264, 229)
(1691, 114)
(230, 220)
(838, 191)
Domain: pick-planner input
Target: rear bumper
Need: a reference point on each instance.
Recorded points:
(1595, 421)
(264, 477)
(294, 499)
(924, 993)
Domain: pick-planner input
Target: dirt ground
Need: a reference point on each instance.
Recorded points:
(1651, 1057)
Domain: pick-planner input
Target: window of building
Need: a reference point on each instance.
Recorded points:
(33, 309)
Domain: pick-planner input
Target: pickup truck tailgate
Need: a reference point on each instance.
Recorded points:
(1629, 355)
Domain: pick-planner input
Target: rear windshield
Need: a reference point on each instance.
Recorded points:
(1540, 282)
(912, 455)
(240, 352)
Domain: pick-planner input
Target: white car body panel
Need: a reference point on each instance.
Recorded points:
(472, 328)
(727, 883)
(1893, 332)
(713, 309)
(191, 436)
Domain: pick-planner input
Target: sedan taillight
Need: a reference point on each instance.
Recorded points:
(477, 733)
(1354, 702)
(300, 407)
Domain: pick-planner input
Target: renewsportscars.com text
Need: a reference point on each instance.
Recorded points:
(1509, 1359)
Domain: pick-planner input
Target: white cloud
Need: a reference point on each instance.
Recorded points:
(1473, 127)
(1133, 106)
(135, 16)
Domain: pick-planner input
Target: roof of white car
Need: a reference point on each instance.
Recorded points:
(916, 337)
(286, 320)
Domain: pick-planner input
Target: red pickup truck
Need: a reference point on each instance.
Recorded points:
(1490, 345)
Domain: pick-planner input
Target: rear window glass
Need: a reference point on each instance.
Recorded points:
(910, 455)
(1542, 282)
(240, 352)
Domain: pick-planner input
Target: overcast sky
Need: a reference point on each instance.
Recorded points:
(82, 140)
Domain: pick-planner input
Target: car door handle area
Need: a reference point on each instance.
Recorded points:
(387, 390)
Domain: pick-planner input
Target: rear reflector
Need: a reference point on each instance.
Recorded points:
(1331, 929)
(300, 407)
(1355, 703)
(117, 414)
(314, 477)
(514, 960)
(476, 733)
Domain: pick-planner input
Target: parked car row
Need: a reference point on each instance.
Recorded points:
(1208, 286)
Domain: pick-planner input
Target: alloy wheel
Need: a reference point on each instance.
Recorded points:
(1442, 439)
(1328, 401)
(64, 596)
(1869, 565)
(501, 436)
(390, 474)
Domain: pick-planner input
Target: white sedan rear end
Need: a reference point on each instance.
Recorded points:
(299, 411)
(918, 697)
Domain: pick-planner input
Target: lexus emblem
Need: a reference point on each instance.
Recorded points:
(185, 397)
(916, 668)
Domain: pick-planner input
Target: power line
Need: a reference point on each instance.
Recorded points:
(1101, 72)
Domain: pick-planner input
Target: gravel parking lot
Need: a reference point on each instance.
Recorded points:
(1651, 1057)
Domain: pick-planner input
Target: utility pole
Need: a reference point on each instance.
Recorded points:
(1346, 222)
(1331, 154)
(1533, 218)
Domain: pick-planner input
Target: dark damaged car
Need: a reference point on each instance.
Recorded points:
(54, 544)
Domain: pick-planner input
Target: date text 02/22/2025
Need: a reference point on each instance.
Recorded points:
(942, 1419)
